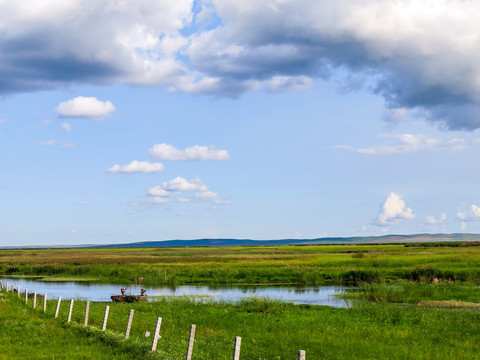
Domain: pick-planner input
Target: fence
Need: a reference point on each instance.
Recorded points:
(237, 342)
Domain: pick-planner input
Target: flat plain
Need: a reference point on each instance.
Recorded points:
(409, 302)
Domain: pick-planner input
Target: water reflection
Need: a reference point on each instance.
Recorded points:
(315, 295)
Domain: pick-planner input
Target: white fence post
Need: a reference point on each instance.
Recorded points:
(70, 311)
(191, 340)
(105, 318)
(44, 303)
(12, 288)
(58, 306)
(301, 355)
(129, 324)
(6, 287)
(156, 334)
(34, 300)
(87, 310)
(236, 349)
(18, 291)
(26, 296)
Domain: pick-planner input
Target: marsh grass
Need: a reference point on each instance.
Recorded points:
(412, 293)
(309, 265)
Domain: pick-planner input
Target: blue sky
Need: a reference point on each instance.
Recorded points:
(257, 119)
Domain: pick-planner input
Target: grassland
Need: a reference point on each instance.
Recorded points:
(269, 330)
(384, 322)
(314, 265)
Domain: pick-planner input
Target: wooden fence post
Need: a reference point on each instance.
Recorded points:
(105, 318)
(87, 310)
(156, 334)
(6, 287)
(236, 349)
(301, 355)
(191, 340)
(70, 311)
(26, 296)
(34, 300)
(58, 306)
(12, 288)
(44, 303)
(18, 291)
(129, 324)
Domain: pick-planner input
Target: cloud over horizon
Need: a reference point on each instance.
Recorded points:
(393, 210)
(417, 55)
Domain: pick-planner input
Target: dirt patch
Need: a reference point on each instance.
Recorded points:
(449, 304)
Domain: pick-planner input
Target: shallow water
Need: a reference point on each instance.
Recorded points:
(316, 295)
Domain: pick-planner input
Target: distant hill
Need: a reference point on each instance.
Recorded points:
(386, 239)
(326, 240)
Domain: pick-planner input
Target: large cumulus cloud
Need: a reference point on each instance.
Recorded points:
(418, 55)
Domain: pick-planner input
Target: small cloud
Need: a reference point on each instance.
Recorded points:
(169, 152)
(67, 146)
(393, 210)
(3, 121)
(180, 184)
(48, 143)
(137, 167)
(473, 214)
(463, 226)
(67, 127)
(407, 143)
(89, 107)
(159, 194)
(431, 220)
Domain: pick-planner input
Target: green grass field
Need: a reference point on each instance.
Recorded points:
(269, 330)
(384, 322)
(314, 265)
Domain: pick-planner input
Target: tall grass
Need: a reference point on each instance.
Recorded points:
(312, 265)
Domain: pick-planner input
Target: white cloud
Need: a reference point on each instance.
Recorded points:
(463, 226)
(67, 127)
(393, 210)
(160, 194)
(89, 107)
(169, 152)
(3, 121)
(431, 220)
(157, 191)
(472, 214)
(180, 184)
(407, 143)
(137, 167)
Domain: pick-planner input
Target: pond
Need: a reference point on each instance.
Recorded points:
(315, 295)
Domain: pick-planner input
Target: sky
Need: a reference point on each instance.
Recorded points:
(176, 119)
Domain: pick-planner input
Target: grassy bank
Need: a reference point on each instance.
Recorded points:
(29, 335)
(344, 264)
(413, 293)
(269, 330)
